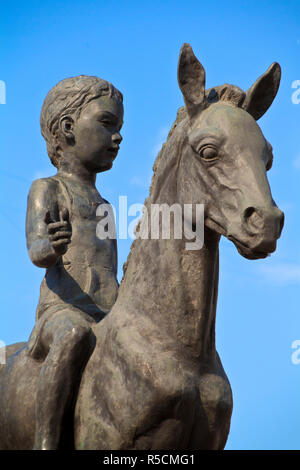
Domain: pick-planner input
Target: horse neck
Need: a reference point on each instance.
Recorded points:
(174, 287)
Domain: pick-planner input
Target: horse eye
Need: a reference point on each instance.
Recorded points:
(208, 153)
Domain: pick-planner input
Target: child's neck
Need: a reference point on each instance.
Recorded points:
(73, 169)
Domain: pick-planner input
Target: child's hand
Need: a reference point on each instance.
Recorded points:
(60, 232)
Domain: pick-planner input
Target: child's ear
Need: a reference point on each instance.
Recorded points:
(66, 124)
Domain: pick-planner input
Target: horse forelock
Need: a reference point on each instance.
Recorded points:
(225, 93)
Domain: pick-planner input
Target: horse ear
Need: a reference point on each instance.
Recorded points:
(191, 79)
(262, 93)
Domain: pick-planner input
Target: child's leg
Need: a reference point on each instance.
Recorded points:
(70, 341)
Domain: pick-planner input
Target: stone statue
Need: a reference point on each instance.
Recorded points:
(148, 374)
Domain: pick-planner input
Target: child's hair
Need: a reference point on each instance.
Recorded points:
(69, 97)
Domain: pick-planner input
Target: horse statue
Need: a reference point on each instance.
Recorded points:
(154, 379)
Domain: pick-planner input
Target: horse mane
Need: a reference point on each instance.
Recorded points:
(226, 93)
(181, 115)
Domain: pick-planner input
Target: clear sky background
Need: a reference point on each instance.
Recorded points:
(135, 45)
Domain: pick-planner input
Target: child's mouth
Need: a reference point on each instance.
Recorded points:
(114, 150)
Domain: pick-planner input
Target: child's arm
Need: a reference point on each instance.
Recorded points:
(48, 231)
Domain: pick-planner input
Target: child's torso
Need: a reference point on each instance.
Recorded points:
(85, 275)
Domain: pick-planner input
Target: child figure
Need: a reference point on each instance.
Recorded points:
(81, 121)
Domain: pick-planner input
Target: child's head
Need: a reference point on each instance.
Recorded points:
(68, 98)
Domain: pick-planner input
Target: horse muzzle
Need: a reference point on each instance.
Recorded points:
(260, 230)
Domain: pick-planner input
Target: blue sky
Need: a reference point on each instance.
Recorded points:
(135, 45)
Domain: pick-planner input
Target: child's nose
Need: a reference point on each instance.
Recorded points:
(117, 138)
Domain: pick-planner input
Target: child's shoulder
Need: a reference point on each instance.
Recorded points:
(44, 185)
(47, 182)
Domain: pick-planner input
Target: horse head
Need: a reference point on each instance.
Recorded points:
(225, 157)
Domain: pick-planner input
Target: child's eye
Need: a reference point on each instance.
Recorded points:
(105, 122)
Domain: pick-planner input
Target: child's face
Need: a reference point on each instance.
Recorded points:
(97, 134)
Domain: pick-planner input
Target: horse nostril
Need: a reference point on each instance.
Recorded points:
(267, 220)
(252, 218)
(248, 212)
